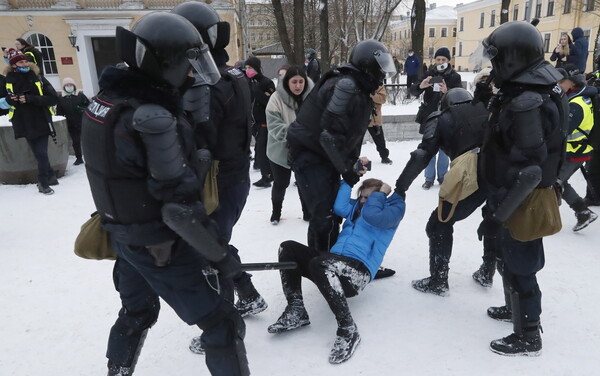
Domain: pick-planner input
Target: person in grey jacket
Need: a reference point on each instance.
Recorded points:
(281, 111)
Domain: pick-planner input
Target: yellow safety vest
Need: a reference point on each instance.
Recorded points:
(9, 88)
(578, 138)
(32, 56)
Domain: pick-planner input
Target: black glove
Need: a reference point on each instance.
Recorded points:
(229, 266)
(377, 129)
(351, 178)
(400, 192)
(489, 227)
(9, 100)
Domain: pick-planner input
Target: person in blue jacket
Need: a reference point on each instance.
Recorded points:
(412, 66)
(371, 222)
(580, 49)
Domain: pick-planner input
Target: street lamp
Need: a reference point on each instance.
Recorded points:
(73, 40)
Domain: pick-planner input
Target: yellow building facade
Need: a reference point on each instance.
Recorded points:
(49, 23)
(440, 31)
(476, 20)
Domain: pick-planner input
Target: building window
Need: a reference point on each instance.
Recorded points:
(567, 8)
(462, 24)
(453, 51)
(253, 37)
(481, 20)
(444, 32)
(550, 12)
(431, 52)
(45, 46)
(526, 13)
(493, 18)
(538, 8)
(586, 34)
(547, 42)
(454, 32)
(589, 5)
(459, 48)
(516, 12)
(432, 32)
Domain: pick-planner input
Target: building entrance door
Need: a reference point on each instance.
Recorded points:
(105, 53)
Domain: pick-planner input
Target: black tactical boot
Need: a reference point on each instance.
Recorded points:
(294, 316)
(276, 214)
(528, 343)
(45, 189)
(249, 301)
(114, 370)
(485, 274)
(264, 182)
(346, 340)
(584, 218)
(503, 313)
(437, 283)
(196, 346)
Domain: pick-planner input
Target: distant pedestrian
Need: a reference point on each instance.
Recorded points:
(580, 49)
(72, 106)
(412, 65)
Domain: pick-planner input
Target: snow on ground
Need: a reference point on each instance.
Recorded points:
(57, 309)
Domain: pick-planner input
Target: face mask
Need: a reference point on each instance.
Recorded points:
(251, 73)
(442, 67)
(23, 69)
(410, 54)
(69, 89)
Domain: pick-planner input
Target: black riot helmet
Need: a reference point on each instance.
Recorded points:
(206, 20)
(310, 53)
(372, 58)
(512, 48)
(455, 96)
(166, 47)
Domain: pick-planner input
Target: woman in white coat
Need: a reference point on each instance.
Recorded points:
(281, 111)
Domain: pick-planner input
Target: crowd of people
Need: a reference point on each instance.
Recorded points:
(176, 119)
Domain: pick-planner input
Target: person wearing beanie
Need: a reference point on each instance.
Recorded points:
(261, 88)
(31, 97)
(581, 123)
(33, 54)
(446, 78)
(71, 105)
(580, 49)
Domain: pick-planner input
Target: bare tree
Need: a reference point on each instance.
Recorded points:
(417, 27)
(295, 52)
(324, 29)
(504, 11)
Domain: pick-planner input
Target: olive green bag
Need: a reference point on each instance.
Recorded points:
(537, 216)
(210, 192)
(459, 182)
(92, 243)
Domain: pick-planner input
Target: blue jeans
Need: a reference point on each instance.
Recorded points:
(442, 167)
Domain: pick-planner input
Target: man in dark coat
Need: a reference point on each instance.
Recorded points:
(523, 150)
(72, 105)
(326, 137)
(580, 49)
(262, 88)
(313, 67)
(31, 96)
(412, 66)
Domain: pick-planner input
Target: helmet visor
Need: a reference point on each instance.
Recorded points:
(386, 63)
(481, 57)
(201, 60)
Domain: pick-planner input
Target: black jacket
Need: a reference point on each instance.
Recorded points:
(33, 118)
(261, 88)
(72, 107)
(431, 99)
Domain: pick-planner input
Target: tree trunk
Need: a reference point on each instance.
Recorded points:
(298, 51)
(282, 29)
(324, 28)
(504, 11)
(417, 27)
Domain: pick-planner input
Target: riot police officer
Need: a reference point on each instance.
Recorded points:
(313, 67)
(225, 130)
(140, 159)
(326, 137)
(457, 129)
(524, 148)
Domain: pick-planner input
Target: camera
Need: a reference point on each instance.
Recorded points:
(359, 166)
(436, 80)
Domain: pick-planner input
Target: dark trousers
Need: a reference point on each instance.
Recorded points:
(440, 234)
(376, 133)
(39, 148)
(409, 81)
(318, 182)
(181, 285)
(520, 261)
(571, 197)
(593, 171)
(232, 201)
(75, 133)
(336, 276)
(281, 180)
(260, 151)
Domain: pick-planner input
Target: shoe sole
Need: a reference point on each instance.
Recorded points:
(499, 319)
(254, 311)
(586, 223)
(339, 361)
(484, 284)
(442, 294)
(528, 353)
(283, 330)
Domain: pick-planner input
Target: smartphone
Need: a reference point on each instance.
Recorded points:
(359, 166)
(436, 80)
(3, 48)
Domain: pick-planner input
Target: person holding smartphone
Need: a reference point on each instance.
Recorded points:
(438, 80)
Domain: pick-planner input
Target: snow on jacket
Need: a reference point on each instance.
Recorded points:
(281, 112)
(580, 49)
(369, 237)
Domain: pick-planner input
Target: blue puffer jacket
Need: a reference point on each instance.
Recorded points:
(368, 238)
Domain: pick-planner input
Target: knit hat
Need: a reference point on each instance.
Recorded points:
(254, 62)
(484, 73)
(68, 81)
(442, 52)
(14, 56)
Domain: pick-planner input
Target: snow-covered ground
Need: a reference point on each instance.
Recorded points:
(57, 309)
